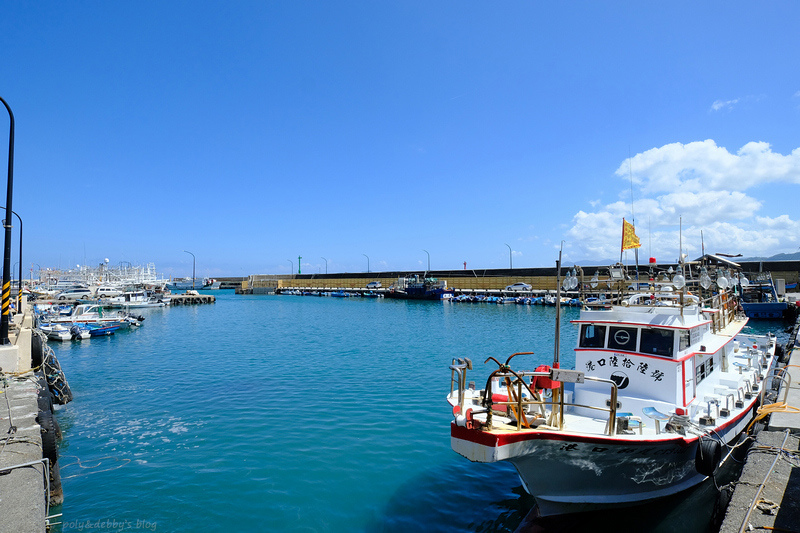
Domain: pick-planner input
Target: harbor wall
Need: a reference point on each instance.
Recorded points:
(482, 279)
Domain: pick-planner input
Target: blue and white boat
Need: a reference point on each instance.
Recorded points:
(760, 298)
(420, 288)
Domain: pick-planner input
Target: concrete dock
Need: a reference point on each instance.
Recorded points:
(29, 478)
(767, 494)
(24, 473)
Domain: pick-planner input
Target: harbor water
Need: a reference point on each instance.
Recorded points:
(290, 413)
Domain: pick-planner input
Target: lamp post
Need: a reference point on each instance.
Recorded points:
(40, 271)
(7, 248)
(291, 271)
(326, 266)
(299, 264)
(19, 289)
(193, 265)
(365, 255)
(429, 260)
(510, 262)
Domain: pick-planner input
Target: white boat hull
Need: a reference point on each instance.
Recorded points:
(570, 473)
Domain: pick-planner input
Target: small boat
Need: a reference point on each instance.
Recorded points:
(664, 385)
(56, 332)
(100, 330)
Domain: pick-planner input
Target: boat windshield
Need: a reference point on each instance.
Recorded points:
(657, 342)
(593, 336)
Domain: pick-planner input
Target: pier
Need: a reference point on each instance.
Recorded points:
(192, 299)
(767, 494)
(29, 473)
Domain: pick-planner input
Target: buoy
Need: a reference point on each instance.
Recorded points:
(708, 456)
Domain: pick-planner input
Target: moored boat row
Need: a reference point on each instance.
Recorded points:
(83, 321)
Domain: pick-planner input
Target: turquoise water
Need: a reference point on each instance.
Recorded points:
(289, 413)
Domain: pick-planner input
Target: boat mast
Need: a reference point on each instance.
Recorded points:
(557, 346)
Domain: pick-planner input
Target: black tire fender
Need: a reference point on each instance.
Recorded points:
(49, 439)
(708, 456)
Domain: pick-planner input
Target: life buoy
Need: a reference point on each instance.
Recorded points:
(708, 456)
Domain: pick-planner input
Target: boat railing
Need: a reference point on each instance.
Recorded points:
(519, 403)
(557, 402)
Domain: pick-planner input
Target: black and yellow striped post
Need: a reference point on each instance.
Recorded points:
(7, 225)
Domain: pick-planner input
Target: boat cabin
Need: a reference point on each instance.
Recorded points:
(656, 359)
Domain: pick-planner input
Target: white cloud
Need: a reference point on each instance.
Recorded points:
(697, 190)
(702, 165)
(724, 104)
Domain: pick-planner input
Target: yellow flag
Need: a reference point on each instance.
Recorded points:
(629, 238)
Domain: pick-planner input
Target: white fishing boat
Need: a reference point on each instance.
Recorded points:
(665, 382)
(133, 300)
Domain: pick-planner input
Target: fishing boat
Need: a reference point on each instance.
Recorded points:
(182, 284)
(420, 288)
(665, 382)
(133, 300)
(760, 298)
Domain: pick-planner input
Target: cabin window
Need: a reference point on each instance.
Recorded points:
(657, 342)
(683, 340)
(592, 336)
(622, 338)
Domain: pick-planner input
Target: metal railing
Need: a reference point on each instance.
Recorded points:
(520, 405)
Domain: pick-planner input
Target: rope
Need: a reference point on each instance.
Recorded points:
(765, 410)
(93, 468)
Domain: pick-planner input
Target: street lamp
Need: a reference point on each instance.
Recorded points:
(193, 265)
(7, 248)
(365, 255)
(510, 263)
(429, 260)
(326, 266)
(291, 271)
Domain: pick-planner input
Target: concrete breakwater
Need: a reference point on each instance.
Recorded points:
(540, 279)
(767, 494)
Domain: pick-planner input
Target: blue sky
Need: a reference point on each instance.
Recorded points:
(252, 132)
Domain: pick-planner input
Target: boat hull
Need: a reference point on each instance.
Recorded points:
(570, 473)
(765, 309)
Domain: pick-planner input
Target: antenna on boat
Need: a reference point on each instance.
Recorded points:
(557, 347)
(633, 215)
